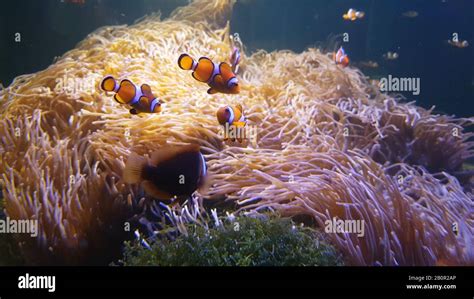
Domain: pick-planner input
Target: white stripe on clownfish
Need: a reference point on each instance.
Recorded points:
(232, 81)
(138, 95)
(153, 104)
(232, 115)
(116, 86)
(341, 58)
(215, 72)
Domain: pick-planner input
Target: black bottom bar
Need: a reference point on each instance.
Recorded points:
(344, 282)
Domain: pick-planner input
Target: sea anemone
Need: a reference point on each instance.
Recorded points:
(328, 144)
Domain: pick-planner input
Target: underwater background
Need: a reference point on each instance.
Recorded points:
(329, 144)
(447, 79)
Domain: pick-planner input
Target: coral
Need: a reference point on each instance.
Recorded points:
(328, 144)
(244, 241)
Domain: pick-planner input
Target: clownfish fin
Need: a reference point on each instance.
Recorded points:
(168, 152)
(133, 111)
(185, 62)
(218, 80)
(117, 99)
(108, 83)
(211, 91)
(206, 181)
(239, 124)
(203, 70)
(144, 102)
(161, 155)
(239, 106)
(153, 191)
(225, 70)
(146, 90)
(133, 170)
(225, 67)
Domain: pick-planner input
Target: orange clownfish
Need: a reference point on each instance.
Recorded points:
(353, 15)
(219, 77)
(141, 99)
(231, 115)
(340, 57)
(233, 119)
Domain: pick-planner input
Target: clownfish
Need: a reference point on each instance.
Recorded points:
(219, 77)
(232, 116)
(340, 57)
(171, 172)
(353, 15)
(141, 99)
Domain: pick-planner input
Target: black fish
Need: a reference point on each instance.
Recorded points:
(172, 171)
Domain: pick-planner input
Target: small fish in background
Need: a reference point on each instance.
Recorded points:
(340, 57)
(390, 55)
(77, 2)
(369, 64)
(172, 172)
(458, 43)
(141, 99)
(410, 14)
(219, 77)
(352, 15)
(235, 59)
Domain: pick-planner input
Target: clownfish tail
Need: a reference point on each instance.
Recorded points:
(133, 172)
(186, 62)
(109, 84)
